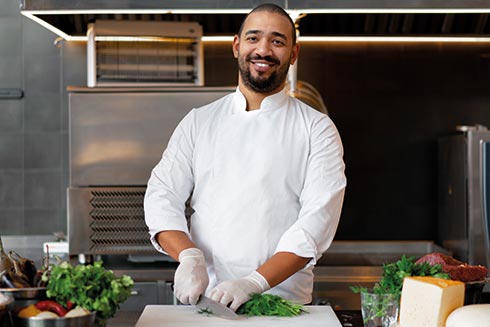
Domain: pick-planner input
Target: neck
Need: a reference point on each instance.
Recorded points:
(254, 99)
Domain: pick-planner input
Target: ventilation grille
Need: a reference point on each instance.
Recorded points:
(118, 223)
(168, 62)
(144, 53)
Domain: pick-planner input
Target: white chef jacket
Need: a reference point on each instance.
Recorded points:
(262, 181)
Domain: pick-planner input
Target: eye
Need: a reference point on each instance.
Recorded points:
(278, 42)
(251, 38)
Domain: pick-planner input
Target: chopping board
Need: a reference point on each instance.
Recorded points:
(187, 316)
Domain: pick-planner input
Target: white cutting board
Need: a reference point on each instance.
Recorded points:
(187, 316)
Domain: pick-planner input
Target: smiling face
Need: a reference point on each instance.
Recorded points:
(264, 50)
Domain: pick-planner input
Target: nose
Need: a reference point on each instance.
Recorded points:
(263, 48)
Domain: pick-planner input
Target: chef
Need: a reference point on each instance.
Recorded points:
(264, 174)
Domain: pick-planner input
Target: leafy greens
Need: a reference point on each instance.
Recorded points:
(89, 286)
(270, 305)
(393, 274)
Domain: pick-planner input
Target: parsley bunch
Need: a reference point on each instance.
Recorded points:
(270, 305)
(391, 282)
(89, 286)
(393, 274)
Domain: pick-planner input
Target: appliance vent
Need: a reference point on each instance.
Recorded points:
(134, 53)
(118, 222)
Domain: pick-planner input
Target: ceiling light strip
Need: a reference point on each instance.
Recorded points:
(48, 26)
(332, 39)
(247, 10)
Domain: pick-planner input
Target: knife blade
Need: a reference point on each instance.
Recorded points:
(216, 309)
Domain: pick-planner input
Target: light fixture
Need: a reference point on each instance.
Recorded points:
(34, 15)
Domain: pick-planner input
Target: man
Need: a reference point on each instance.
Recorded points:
(266, 176)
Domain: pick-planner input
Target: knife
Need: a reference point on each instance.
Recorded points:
(207, 305)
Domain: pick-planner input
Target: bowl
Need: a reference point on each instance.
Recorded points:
(81, 321)
(27, 293)
(24, 296)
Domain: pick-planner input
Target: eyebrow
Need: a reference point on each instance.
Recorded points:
(283, 36)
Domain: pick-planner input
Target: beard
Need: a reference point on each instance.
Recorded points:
(262, 84)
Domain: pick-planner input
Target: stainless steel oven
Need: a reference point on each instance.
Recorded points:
(116, 137)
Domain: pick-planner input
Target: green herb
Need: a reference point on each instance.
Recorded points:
(89, 286)
(270, 305)
(391, 282)
(393, 274)
(205, 311)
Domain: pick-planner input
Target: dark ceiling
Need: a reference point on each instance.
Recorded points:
(418, 24)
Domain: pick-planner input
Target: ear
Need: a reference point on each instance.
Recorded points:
(236, 44)
(294, 53)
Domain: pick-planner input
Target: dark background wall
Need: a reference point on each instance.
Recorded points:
(390, 103)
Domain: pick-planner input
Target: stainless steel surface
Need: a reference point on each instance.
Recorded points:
(25, 293)
(375, 253)
(216, 309)
(463, 227)
(82, 321)
(117, 137)
(332, 285)
(107, 221)
(173, 55)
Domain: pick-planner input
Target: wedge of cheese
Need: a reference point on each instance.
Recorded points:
(428, 301)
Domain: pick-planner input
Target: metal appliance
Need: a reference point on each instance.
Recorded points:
(116, 137)
(144, 53)
(464, 194)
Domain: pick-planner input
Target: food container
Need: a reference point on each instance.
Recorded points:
(81, 321)
(24, 296)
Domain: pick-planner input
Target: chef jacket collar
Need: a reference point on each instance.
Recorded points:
(272, 102)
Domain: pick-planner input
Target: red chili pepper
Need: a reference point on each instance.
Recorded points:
(49, 305)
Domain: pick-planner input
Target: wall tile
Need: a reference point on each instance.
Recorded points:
(44, 221)
(12, 189)
(11, 150)
(12, 221)
(10, 29)
(41, 75)
(9, 8)
(10, 71)
(43, 150)
(42, 113)
(11, 114)
(42, 190)
(37, 39)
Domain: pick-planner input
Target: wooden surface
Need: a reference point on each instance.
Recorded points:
(187, 316)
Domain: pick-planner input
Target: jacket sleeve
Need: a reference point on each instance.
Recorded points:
(321, 197)
(171, 183)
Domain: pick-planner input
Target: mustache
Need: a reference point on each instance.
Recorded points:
(266, 58)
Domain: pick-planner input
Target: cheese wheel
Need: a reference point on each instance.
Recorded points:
(428, 301)
(473, 315)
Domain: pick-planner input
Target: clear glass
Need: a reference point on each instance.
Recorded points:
(379, 310)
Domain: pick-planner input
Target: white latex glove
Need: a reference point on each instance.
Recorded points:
(236, 292)
(191, 277)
